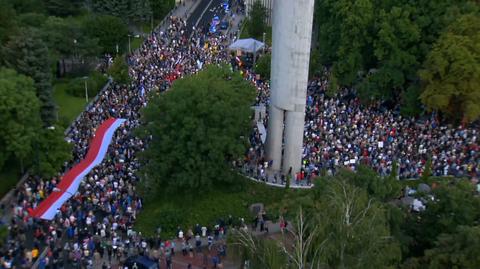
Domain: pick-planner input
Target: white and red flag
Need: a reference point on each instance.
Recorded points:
(70, 181)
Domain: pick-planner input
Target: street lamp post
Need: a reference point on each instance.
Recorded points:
(74, 48)
(86, 89)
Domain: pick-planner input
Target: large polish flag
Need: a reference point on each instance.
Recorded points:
(70, 181)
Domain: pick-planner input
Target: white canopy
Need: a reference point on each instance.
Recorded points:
(247, 45)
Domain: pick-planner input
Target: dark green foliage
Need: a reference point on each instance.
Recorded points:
(27, 6)
(7, 23)
(95, 82)
(451, 74)
(51, 151)
(119, 70)
(379, 46)
(207, 207)
(352, 228)
(19, 114)
(160, 8)
(28, 54)
(31, 20)
(62, 8)
(110, 32)
(381, 188)
(198, 128)
(455, 204)
(127, 10)
(411, 101)
(456, 250)
(69, 38)
(427, 172)
(263, 66)
(256, 22)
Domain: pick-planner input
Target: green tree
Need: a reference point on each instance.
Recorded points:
(382, 188)
(27, 53)
(117, 8)
(51, 151)
(127, 10)
(451, 73)
(263, 66)
(394, 50)
(354, 49)
(110, 32)
(453, 205)
(7, 24)
(160, 8)
(26, 6)
(352, 228)
(457, 250)
(119, 70)
(68, 37)
(197, 129)
(62, 8)
(256, 21)
(140, 10)
(19, 114)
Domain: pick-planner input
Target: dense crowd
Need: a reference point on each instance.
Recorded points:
(97, 221)
(341, 132)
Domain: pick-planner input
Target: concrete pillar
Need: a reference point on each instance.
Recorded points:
(275, 137)
(292, 157)
(292, 32)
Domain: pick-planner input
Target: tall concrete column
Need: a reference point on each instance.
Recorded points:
(292, 32)
(292, 157)
(275, 137)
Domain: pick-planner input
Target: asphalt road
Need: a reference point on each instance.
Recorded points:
(204, 13)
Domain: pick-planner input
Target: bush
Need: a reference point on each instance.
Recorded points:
(119, 70)
(263, 66)
(95, 82)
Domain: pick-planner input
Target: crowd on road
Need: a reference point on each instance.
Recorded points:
(98, 221)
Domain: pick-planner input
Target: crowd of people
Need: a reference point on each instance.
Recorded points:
(342, 132)
(97, 221)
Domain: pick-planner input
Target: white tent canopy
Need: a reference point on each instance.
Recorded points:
(247, 45)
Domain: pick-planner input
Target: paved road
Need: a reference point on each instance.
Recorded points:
(204, 13)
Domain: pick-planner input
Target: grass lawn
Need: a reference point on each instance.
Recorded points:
(136, 42)
(9, 177)
(185, 211)
(69, 106)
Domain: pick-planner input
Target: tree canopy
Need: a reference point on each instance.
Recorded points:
(451, 73)
(27, 53)
(196, 129)
(257, 24)
(19, 114)
(378, 47)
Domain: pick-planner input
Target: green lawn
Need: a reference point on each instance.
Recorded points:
(170, 211)
(69, 106)
(136, 42)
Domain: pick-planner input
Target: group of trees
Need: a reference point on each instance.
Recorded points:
(355, 220)
(196, 130)
(400, 50)
(36, 38)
